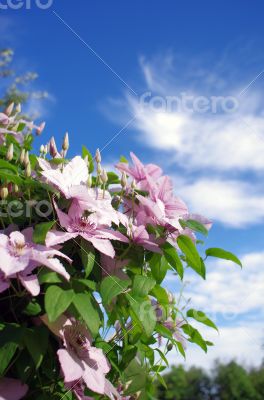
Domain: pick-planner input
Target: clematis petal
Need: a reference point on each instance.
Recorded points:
(57, 237)
(52, 263)
(110, 390)
(97, 357)
(94, 379)
(11, 265)
(12, 389)
(30, 283)
(103, 245)
(70, 364)
(112, 235)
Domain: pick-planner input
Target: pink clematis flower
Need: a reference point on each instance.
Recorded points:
(140, 236)
(175, 328)
(82, 364)
(98, 202)
(19, 256)
(140, 172)
(75, 224)
(74, 174)
(12, 389)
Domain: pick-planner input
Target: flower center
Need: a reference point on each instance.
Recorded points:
(83, 224)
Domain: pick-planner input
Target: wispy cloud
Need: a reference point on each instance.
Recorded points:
(220, 146)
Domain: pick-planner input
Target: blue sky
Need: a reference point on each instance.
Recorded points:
(98, 61)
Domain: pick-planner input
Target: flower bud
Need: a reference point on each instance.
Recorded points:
(42, 149)
(98, 157)
(3, 193)
(10, 152)
(18, 108)
(89, 181)
(26, 158)
(133, 184)
(99, 169)
(104, 176)
(15, 127)
(65, 144)
(40, 128)
(9, 109)
(16, 188)
(45, 149)
(52, 147)
(100, 182)
(123, 180)
(170, 347)
(22, 156)
(171, 297)
(28, 170)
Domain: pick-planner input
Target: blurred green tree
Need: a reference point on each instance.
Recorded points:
(226, 382)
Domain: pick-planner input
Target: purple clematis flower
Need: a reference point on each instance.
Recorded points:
(140, 172)
(12, 389)
(75, 224)
(82, 364)
(72, 175)
(140, 236)
(19, 256)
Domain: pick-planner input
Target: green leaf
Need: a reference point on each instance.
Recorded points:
(11, 177)
(143, 313)
(189, 250)
(142, 285)
(88, 257)
(41, 230)
(6, 354)
(112, 178)
(36, 341)
(194, 336)
(87, 311)
(180, 348)
(220, 253)
(194, 226)
(161, 381)
(162, 356)
(173, 258)
(136, 375)
(57, 301)
(123, 159)
(32, 309)
(201, 317)
(47, 276)
(85, 152)
(160, 294)
(163, 331)
(111, 287)
(159, 267)
(83, 284)
(7, 165)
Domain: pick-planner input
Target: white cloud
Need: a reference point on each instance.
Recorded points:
(233, 298)
(232, 202)
(228, 290)
(218, 150)
(243, 343)
(207, 141)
